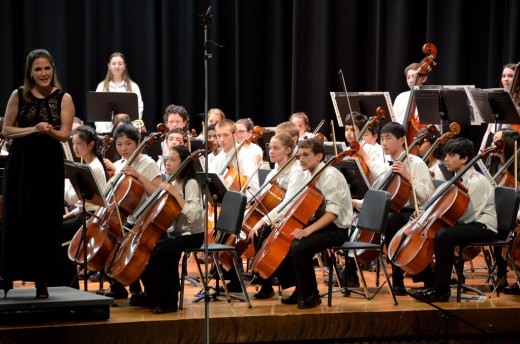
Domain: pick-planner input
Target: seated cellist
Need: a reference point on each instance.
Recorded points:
(392, 136)
(161, 276)
(329, 226)
(281, 149)
(478, 223)
(244, 163)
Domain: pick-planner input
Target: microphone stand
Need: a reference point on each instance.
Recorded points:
(205, 19)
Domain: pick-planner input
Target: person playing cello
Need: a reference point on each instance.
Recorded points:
(161, 276)
(478, 223)
(371, 151)
(402, 99)
(145, 170)
(281, 149)
(393, 135)
(328, 228)
(494, 164)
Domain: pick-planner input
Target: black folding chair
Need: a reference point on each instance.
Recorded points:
(507, 201)
(229, 222)
(373, 217)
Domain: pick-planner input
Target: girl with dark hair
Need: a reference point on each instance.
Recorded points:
(145, 170)
(85, 146)
(161, 276)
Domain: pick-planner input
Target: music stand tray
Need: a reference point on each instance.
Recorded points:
(437, 104)
(84, 183)
(362, 102)
(356, 179)
(216, 186)
(103, 106)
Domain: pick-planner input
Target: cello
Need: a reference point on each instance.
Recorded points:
(145, 227)
(306, 202)
(411, 124)
(411, 248)
(104, 227)
(399, 188)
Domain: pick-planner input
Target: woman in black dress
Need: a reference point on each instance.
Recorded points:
(38, 116)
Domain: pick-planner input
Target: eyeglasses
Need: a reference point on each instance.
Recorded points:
(242, 131)
(175, 122)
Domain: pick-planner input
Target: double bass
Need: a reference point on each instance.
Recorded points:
(145, 227)
(411, 248)
(306, 202)
(411, 124)
(104, 227)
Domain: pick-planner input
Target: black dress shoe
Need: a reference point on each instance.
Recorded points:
(264, 294)
(291, 300)
(431, 295)
(399, 290)
(512, 290)
(164, 309)
(311, 301)
(138, 299)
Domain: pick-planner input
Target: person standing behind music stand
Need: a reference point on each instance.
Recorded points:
(118, 79)
(38, 116)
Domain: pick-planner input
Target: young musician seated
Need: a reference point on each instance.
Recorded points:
(243, 162)
(392, 136)
(302, 122)
(479, 222)
(435, 158)
(85, 146)
(144, 169)
(281, 150)
(329, 226)
(161, 276)
(371, 151)
(174, 137)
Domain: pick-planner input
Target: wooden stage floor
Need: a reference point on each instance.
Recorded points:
(353, 319)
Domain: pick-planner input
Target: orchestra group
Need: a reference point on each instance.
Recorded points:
(156, 202)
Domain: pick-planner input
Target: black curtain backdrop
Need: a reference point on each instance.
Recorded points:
(278, 57)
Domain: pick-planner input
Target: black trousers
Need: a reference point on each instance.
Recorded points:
(446, 239)
(161, 276)
(302, 253)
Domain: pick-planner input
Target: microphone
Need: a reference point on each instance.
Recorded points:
(205, 17)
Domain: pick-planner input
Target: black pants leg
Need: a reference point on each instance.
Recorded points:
(446, 239)
(161, 276)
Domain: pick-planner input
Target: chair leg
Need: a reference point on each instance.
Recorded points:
(387, 277)
(221, 275)
(242, 285)
(513, 266)
(184, 272)
(358, 267)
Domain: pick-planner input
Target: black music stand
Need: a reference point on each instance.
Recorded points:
(356, 179)
(103, 106)
(494, 105)
(216, 190)
(87, 189)
(444, 104)
(362, 102)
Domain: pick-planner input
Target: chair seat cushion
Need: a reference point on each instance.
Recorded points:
(357, 245)
(213, 248)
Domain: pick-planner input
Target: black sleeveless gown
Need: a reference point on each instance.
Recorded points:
(33, 188)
